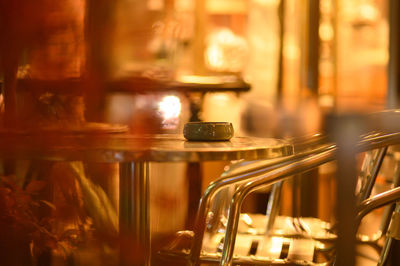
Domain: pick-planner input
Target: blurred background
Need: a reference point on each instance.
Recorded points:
(273, 68)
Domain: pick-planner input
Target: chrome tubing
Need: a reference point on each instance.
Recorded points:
(377, 201)
(378, 160)
(269, 178)
(229, 179)
(273, 206)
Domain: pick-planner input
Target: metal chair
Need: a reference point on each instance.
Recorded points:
(305, 164)
(301, 145)
(298, 226)
(188, 244)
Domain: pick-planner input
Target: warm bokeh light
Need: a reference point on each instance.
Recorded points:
(170, 110)
(226, 51)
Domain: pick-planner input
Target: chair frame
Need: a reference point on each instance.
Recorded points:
(375, 141)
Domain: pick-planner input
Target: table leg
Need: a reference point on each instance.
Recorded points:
(134, 214)
(194, 176)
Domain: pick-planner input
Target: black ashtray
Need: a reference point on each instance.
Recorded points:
(208, 131)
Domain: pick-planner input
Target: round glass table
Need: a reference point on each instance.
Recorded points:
(134, 153)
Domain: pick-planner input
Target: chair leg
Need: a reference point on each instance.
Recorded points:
(273, 205)
(386, 217)
(385, 251)
(393, 233)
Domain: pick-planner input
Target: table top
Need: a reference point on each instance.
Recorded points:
(136, 84)
(127, 147)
